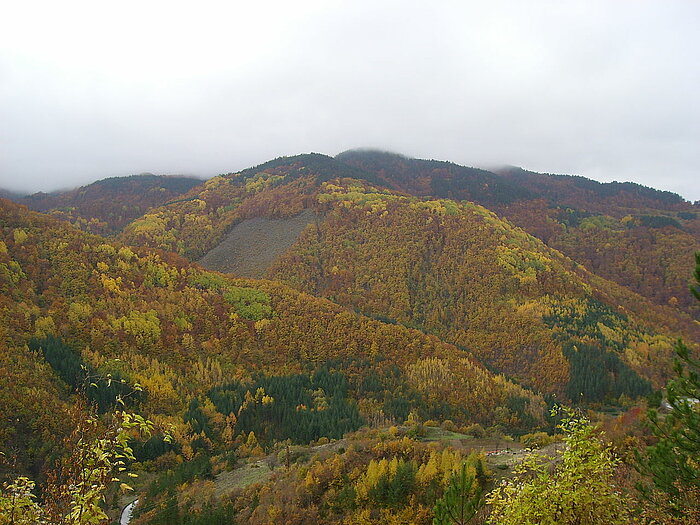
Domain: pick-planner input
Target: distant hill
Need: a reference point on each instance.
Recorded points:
(492, 188)
(432, 178)
(574, 190)
(107, 205)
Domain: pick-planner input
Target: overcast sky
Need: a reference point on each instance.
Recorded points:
(609, 90)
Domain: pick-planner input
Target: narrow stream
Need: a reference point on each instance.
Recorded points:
(126, 513)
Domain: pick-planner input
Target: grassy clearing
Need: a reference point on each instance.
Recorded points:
(255, 472)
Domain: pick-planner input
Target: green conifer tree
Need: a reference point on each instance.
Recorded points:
(460, 502)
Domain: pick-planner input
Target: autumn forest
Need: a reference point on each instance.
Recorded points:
(360, 339)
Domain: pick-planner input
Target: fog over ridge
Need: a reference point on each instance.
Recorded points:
(606, 90)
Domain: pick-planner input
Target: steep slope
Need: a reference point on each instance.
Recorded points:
(107, 205)
(203, 345)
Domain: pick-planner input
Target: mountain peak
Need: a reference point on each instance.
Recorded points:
(370, 153)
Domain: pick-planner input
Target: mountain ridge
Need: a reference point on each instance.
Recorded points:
(641, 231)
(356, 238)
(388, 300)
(107, 205)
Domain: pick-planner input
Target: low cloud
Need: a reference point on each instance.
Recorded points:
(602, 89)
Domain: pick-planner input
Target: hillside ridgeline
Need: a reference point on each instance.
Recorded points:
(106, 206)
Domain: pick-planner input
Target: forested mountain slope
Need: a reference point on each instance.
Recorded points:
(198, 221)
(450, 268)
(432, 178)
(458, 271)
(646, 250)
(107, 205)
(388, 304)
(205, 347)
(636, 236)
